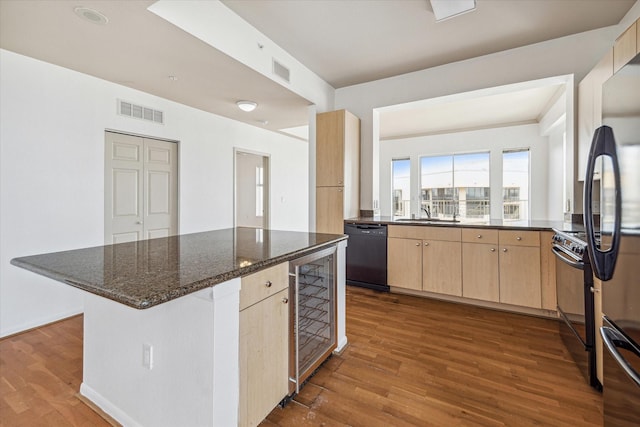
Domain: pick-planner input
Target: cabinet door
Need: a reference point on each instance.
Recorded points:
(625, 47)
(329, 210)
(330, 149)
(520, 276)
(442, 267)
(480, 274)
(264, 357)
(404, 263)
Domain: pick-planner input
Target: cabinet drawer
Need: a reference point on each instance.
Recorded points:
(519, 238)
(262, 284)
(425, 232)
(480, 235)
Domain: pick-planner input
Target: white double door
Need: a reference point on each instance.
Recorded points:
(141, 188)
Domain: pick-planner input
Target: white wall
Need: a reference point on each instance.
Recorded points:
(52, 123)
(493, 140)
(575, 54)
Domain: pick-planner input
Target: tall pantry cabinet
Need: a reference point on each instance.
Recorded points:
(337, 170)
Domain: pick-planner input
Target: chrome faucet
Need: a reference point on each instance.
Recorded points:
(427, 211)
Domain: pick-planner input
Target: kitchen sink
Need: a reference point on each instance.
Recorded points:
(427, 220)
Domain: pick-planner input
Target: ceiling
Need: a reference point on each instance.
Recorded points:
(344, 42)
(356, 41)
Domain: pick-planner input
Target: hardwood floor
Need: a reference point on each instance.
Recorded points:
(410, 362)
(419, 362)
(40, 374)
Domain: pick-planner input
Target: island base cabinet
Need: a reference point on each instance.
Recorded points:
(480, 272)
(404, 264)
(441, 266)
(520, 276)
(264, 358)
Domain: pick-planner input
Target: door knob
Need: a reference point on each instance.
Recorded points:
(518, 238)
(268, 283)
(285, 300)
(426, 243)
(417, 244)
(479, 236)
(504, 250)
(138, 222)
(493, 249)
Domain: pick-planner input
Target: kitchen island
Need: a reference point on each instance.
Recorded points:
(161, 318)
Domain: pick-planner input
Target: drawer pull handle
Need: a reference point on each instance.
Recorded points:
(493, 249)
(268, 284)
(285, 300)
(504, 250)
(518, 238)
(479, 236)
(417, 244)
(426, 243)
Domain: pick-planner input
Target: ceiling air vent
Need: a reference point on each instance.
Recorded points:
(139, 112)
(281, 71)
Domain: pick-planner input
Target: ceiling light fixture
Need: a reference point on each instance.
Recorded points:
(445, 9)
(246, 105)
(90, 15)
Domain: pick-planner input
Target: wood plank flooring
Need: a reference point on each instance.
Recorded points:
(419, 362)
(410, 362)
(40, 375)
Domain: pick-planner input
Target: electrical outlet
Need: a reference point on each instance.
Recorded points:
(147, 356)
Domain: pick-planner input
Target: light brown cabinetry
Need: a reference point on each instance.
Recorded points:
(520, 268)
(442, 266)
(404, 263)
(480, 267)
(329, 210)
(264, 343)
(625, 47)
(499, 266)
(337, 170)
(425, 258)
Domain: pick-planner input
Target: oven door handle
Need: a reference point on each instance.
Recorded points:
(561, 254)
(614, 339)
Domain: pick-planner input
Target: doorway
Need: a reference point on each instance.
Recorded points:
(251, 189)
(141, 188)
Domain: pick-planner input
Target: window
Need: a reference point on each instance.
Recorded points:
(515, 185)
(401, 188)
(455, 185)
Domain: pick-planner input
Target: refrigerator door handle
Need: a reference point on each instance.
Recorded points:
(613, 340)
(603, 262)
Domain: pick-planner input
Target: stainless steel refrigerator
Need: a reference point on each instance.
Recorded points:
(614, 240)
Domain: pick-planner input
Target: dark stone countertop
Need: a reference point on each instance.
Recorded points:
(534, 225)
(150, 272)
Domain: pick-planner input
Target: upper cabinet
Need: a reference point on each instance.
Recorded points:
(337, 149)
(626, 47)
(337, 170)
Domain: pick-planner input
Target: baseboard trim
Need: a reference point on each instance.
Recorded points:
(30, 326)
(537, 312)
(98, 403)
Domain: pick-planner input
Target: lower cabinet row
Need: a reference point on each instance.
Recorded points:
(491, 265)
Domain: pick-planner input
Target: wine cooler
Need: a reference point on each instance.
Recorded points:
(313, 313)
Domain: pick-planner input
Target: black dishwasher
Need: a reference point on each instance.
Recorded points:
(367, 255)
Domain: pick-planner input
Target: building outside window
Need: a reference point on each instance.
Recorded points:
(455, 185)
(515, 185)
